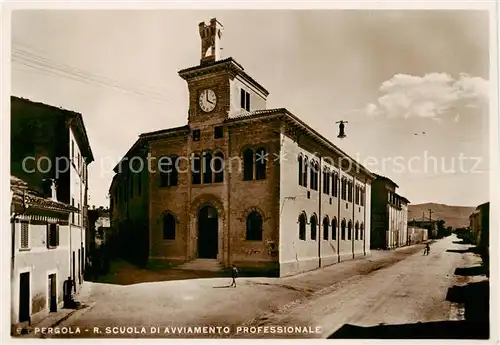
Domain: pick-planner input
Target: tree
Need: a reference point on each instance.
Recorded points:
(442, 230)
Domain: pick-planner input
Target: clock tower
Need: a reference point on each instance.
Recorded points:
(219, 88)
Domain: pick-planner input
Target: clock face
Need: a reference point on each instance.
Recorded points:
(207, 100)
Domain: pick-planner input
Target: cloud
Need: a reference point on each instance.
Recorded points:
(429, 96)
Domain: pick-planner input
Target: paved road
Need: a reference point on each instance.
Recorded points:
(391, 287)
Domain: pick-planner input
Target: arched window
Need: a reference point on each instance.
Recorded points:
(342, 228)
(260, 164)
(302, 226)
(248, 165)
(344, 189)
(306, 166)
(335, 187)
(326, 223)
(196, 169)
(254, 226)
(362, 231)
(207, 167)
(325, 181)
(349, 230)
(334, 229)
(356, 231)
(168, 227)
(218, 167)
(300, 170)
(314, 223)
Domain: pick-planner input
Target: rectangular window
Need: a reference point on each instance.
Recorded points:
(196, 169)
(207, 167)
(245, 100)
(52, 235)
(335, 187)
(196, 135)
(218, 132)
(79, 215)
(25, 235)
(168, 171)
(78, 161)
(72, 150)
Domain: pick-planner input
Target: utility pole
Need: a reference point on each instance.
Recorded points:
(430, 222)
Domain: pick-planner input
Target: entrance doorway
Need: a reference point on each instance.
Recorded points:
(208, 232)
(52, 293)
(24, 297)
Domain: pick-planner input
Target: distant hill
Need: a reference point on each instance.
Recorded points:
(454, 216)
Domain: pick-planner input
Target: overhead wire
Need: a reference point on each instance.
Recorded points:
(49, 66)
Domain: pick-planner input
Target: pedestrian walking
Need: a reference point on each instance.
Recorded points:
(427, 249)
(234, 274)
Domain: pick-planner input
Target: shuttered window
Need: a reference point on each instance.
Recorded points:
(52, 235)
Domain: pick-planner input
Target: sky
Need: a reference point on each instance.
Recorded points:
(413, 85)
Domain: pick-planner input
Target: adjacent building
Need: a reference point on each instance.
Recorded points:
(99, 227)
(50, 153)
(430, 225)
(40, 252)
(239, 183)
(417, 235)
(480, 228)
(389, 222)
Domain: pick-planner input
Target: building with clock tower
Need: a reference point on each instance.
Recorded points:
(239, 183)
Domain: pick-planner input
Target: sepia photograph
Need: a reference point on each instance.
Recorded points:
(271, 173)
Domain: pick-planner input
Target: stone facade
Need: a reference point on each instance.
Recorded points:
(245, 209)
